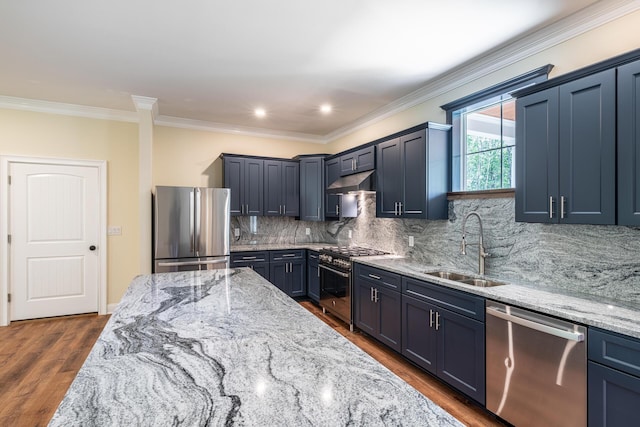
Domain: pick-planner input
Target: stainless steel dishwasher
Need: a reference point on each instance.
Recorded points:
(536, 368)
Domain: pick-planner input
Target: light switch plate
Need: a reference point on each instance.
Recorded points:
(350, 234)
(236, 232)
(307, 231)
(114, 230)
(411, 241)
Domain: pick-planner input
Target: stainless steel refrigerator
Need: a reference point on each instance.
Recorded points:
(190, 228)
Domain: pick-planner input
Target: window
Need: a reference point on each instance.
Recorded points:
(483, 133)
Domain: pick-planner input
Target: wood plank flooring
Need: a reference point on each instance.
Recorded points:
(38, 361)
(40, 358)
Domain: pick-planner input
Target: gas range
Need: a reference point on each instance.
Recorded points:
(336, 284)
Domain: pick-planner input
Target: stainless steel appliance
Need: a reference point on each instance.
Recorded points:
(336, 284)
(536, 368)
(191, 228)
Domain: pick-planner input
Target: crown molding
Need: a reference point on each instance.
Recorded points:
(179, 122)
(51, 107)
(537, 41)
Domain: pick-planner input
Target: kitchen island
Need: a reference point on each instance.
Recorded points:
(226, 347)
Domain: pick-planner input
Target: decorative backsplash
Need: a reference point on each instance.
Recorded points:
(594, 259)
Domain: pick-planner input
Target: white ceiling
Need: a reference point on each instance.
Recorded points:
(216, 61)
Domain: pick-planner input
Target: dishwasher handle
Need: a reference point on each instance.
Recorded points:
(568, 335)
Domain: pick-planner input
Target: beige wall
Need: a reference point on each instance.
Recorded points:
(191, 158)
(604, 42)
(49, 135)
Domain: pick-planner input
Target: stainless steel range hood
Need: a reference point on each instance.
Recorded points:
(358, 182)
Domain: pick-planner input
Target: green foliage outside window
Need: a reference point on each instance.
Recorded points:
(488, 163)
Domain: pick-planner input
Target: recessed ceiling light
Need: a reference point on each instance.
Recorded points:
(325, 108)
(260, 112)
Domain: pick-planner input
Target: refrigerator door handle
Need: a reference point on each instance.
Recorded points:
(191, 222)
(196, 239)
(183, 263)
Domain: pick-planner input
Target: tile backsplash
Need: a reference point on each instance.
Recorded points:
(593, 259)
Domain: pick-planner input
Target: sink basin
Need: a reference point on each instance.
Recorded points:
(448, 275)
(481, 283)
(467, 280)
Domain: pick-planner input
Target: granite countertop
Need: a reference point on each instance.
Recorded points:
(578, 307)
(315, 246)
(226, 347)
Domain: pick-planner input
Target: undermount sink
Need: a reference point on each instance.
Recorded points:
(448, 275)
(467, 280)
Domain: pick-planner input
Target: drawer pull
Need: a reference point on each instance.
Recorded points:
(373, 276)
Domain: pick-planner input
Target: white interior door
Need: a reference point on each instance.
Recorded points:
(54, 224)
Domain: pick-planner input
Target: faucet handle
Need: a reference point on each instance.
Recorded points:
(463, 246)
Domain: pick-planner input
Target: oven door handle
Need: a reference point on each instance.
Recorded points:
(339, 273)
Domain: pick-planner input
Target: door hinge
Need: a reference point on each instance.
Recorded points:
(8, 297)
(9, 179)
(9, 238)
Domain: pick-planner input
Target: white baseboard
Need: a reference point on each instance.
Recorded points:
(111, 308)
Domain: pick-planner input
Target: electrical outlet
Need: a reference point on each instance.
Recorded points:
(114, 230)
(411, 241)
(307, 231)
(236, 232)
(350, 233)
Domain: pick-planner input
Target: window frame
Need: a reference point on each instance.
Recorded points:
(493, 94)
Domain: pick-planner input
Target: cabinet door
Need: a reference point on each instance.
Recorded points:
(313, 279)
(413, 151)
(460, 358)
(388, 306)
(332, 201)
(253, 190)
(629, 144)
(261, 269)
(297, 279)
(290, 188)
(364, 159)
(272, 188)
(312, 189)
(347, 164)
(234, 180)
(418, 334)
(388, 179)
(537, 157)
(278, 275)
(365, 316)
(587, 149)
(614, 397)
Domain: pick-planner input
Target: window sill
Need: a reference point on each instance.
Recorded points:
(502, 193)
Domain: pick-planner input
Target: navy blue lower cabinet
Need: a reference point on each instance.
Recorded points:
(297, 286)
(460, 358)
(418, 335)
(614, 397)
(313, 276)
(377, 312)
(278, 275)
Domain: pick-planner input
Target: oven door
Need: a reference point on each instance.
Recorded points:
(335, 292)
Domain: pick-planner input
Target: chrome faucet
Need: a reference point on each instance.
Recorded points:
(463, 247)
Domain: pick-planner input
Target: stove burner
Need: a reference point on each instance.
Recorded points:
(352, 251)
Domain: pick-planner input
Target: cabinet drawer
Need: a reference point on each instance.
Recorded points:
(313, 255)
(381, 277)
(287, 255)
(614, 350)
(250, 256)
(456, 301)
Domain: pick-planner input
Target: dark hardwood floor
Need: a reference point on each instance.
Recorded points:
(40, 358)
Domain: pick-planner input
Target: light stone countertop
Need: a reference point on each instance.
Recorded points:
(226, 347)
(611, 315)
(279, 246)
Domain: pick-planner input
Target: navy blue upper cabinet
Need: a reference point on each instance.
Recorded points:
(629, 144)
(565, 152)
(332, 201)
(243, 175)
(312, 189)
(358, 161)
(281, 188)
(412, 174)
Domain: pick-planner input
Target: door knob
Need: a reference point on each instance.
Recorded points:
(93, 247)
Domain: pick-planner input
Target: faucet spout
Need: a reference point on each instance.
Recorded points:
(481, 252)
